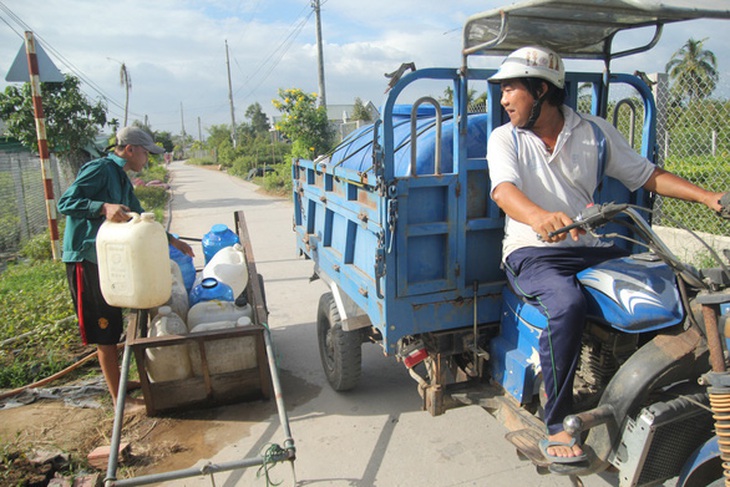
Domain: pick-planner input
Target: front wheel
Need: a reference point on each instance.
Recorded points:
(339, 350)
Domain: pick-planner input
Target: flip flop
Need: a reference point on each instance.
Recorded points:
(545, 444)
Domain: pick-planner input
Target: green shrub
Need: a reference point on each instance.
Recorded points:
(151, 196)
(34, 299)
(38, 248)
(279, 181)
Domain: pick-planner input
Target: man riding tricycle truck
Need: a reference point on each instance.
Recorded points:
(507, 260)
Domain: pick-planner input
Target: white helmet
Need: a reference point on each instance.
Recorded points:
(532, 62)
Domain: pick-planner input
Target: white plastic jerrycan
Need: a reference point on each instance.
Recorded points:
(228, 265)
(134, 262)
(170, 362)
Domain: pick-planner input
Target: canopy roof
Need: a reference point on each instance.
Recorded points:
(582, 29)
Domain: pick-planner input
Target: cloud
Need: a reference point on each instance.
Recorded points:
(175, 51)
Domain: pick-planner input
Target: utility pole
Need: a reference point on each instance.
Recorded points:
(320, 55)
(182, 123)
(200, 132)
(125, 81)
(230, 100)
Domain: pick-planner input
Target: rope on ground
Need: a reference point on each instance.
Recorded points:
(270, 455)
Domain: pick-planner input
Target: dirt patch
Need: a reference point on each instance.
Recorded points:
(158, 444)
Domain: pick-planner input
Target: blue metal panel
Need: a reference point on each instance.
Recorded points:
(514, 357)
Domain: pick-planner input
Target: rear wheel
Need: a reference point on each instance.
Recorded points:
(339, 350)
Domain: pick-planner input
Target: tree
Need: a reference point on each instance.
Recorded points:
(693, 71)
(259, 120)
(164, 138)
(359, 112)
(72, 121)
(304, 123)
(448, 99)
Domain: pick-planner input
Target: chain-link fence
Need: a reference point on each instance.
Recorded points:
(22, 199)
(692, 141)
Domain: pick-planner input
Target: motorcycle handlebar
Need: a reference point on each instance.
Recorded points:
(592, 217)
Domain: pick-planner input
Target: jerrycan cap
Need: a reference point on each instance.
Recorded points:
(209, 282)
(219, 228)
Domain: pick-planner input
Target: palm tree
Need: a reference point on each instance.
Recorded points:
(693, 70)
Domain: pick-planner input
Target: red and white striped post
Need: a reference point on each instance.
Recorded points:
(40, 127)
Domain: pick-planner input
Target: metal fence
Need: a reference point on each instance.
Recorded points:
(692, 141)
(22, 199)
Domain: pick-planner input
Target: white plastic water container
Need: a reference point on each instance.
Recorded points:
(216, 311)
(228, 265)
(134, 262)
(179, 295)
(224, 355)
(171, 362)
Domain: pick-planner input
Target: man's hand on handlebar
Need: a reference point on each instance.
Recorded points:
(546, 225)
(724, 202)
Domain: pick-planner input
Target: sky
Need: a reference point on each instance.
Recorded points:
(175, 50)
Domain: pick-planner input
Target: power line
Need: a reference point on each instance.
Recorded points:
(75, 70)
(273, 59)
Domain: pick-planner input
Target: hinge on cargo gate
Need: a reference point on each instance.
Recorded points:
(379, 263)
(392, 217)
(378, 158)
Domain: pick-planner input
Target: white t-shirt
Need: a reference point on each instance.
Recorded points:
(564, 180)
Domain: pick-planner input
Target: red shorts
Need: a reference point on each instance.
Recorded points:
(99, 323)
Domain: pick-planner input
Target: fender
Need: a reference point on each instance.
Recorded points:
(703, 466)
(667, 358)
(352, 316)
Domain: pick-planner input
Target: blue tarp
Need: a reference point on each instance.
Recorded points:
(356, 151)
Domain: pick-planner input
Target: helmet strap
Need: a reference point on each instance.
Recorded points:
(534, 113)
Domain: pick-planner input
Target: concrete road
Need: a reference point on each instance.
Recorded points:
(376, 435)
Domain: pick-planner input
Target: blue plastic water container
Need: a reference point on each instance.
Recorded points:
(220, 236)
(210, 289)
(187, 268)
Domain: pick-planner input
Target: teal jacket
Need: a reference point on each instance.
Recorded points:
(99, 181)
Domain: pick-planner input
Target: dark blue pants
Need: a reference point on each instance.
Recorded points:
(545, 277)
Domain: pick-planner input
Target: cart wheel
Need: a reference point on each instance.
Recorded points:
(339, 350)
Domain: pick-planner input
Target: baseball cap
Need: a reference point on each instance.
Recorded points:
(137, 136)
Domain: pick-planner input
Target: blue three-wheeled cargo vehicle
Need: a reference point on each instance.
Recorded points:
(399, 223)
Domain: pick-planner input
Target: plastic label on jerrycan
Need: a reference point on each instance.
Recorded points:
(134, 263)
(220, 236)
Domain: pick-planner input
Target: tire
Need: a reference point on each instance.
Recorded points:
(339, 350)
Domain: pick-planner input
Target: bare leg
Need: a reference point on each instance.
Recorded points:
(563, 451)
(109, 362)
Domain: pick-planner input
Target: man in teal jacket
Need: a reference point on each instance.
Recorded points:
(102, 191)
